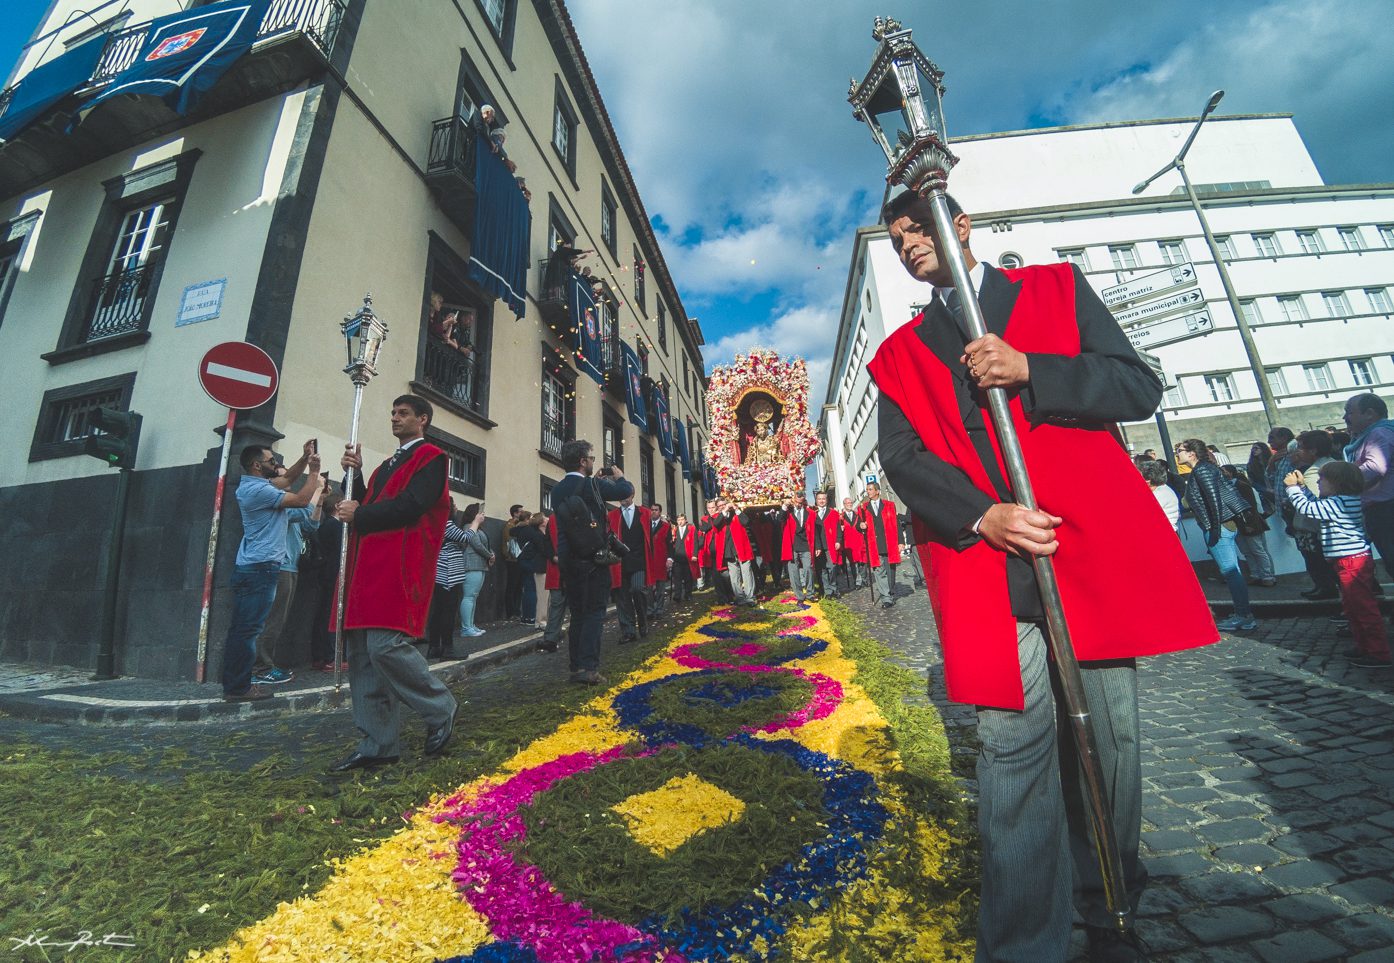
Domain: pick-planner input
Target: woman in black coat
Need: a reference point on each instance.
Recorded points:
(1215, 504)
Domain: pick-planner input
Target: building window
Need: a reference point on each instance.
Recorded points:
(544, 492)
(611, 357)
(1173, 252)
(1174, 396)
(639, 281)
(1292, 307)
(13, 238)
(1267, 245)
(1226, 245)
(1363, 370)
(558, 403)
(1277, 384)
(1249, 309)
(454, 367)
(1386, 234)
(686, 381)
(564, 130)
(608, 211)
(1075, 257)
(662, 328)
(1310, 242)
(500, 16)
(1350, 238)
(1010, 260)
(1337, 304)
(1318, 376)
(1379, 300)
(646, 473)
(126, 257)
(611, 437)
(1221, 386)
(1123, 255)
(464, 462)
(670, 490)
(65, 414)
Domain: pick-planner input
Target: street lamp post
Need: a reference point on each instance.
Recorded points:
(364, 332)
(1178, 163)
(903, 87)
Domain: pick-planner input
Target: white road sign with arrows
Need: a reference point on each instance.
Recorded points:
(1168, 330)
(1185, 301)
(1149, 285)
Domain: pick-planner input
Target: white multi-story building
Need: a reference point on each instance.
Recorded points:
(1312, 264)
(339, 153)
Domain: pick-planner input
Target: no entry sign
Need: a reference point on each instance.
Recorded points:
(238, 375)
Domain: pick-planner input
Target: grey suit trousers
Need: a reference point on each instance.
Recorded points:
(800, 569)
(385, 669)
(1038, 861)
(883, 577)
(742, 575)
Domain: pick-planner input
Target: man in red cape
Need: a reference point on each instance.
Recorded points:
(660, 543)
(1071, 374)
(684, 554)
(395, 525)
(879, 522)
(632, 577)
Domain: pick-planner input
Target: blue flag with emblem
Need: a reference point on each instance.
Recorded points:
(585, 318)
(684, 456)
(711, 485)
(665, 424)
(634, 387)
(184, 54)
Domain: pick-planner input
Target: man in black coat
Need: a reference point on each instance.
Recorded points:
(587, 584)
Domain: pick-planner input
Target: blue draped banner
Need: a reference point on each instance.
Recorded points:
(634, 387)
(184, 54)
(47, 84)
(665, 425)
(585, 319)
(502, 232)
(684, 455)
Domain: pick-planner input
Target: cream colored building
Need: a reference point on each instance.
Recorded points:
(333, 159)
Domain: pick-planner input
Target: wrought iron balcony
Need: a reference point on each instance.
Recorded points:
(118, 303)
(553, 435)
(450, 169)
(455, 374)
(294, 42)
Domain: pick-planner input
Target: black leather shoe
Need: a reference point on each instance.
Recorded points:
(626, 639)
(438, 737)
(357, 760)
(1107, 945)
(887, 605)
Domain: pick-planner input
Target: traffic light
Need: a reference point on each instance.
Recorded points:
(115, 435)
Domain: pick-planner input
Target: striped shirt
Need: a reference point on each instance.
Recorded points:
(1342, 522)
(450, 566)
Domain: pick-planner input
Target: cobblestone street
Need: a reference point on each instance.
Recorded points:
(1268, 779)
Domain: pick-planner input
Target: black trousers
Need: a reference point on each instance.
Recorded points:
(440, 620)
(682, 580)
(587, 588)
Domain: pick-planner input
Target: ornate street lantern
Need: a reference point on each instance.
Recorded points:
(903, 89)
(364, 332)
(902, 100)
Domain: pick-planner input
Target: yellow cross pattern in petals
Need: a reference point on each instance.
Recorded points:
(684, 806)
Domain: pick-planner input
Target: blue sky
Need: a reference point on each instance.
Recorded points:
(734, 120)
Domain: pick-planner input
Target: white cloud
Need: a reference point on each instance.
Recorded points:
(808, 332)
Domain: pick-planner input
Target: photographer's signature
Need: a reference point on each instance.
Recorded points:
(84, 938)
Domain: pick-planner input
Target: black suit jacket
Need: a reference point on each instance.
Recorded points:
(1105, 383)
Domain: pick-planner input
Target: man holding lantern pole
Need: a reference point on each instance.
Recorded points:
(1070, 374)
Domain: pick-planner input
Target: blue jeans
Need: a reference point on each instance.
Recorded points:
(1227, 558)
(529, 596)
(253, 594)
(474, 581)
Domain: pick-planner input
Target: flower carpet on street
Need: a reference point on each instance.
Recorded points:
(741, 795)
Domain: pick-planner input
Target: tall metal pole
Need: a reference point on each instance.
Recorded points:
(1058, 634)
(342, 588)
(1265, 392)
(106, 653)
(201, 666)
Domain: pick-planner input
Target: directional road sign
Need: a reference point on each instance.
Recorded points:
(1150, 285)
(1171, 304)
(238, 375)
(1155, 363)
(1171, 329)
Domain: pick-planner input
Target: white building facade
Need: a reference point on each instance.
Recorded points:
(1312, 265)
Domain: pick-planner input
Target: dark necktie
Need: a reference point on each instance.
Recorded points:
(396, 457)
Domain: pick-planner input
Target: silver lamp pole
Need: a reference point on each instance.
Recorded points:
(364, 332)
(919, 158)
(1178, 163)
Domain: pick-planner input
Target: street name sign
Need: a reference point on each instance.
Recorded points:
(1149, 285)
(238, 375)
(1169, 330)
(1185, 301)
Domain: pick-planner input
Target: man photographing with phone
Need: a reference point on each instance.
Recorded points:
(582, 529)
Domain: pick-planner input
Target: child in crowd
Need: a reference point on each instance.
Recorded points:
(1344, 544)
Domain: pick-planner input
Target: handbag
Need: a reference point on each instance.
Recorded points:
(1250, 522)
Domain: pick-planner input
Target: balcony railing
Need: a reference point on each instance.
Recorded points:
(118, 302)
(318, 20)
(454, 374)
(453, 143)
(553, 435)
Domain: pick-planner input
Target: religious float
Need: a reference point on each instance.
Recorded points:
(761, 438)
